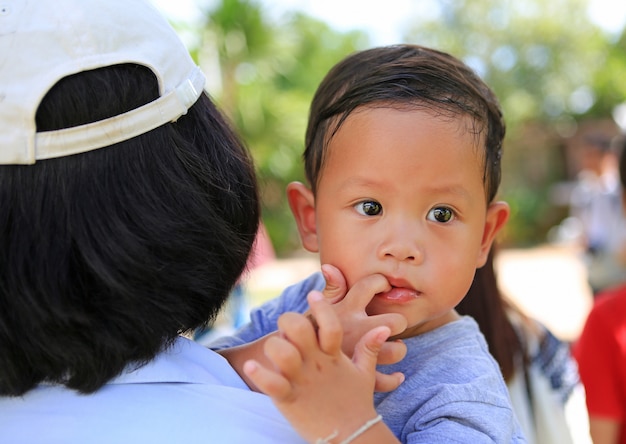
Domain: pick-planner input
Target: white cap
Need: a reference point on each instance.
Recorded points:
(42, 41)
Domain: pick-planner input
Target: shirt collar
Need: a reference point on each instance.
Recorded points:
(185, 361)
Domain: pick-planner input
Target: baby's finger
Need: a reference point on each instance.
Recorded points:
(330, 332)
(298, 330)
(366, 351)
(391, 352)
(388, 383)
(366, 356)
(364, 290)
(284, 355)
(336, 285)
(396, 322)
(268, 381)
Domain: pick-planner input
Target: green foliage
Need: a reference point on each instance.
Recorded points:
(268, 73)
(609, 83)
(551, 68)
(534, 54)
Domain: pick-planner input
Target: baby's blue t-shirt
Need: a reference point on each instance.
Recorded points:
(453, 390)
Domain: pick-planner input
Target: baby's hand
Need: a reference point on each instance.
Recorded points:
(350, 308)
(314, 384)
(336, 285)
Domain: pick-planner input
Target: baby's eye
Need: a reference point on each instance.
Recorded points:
(369, 208)
(441, 214)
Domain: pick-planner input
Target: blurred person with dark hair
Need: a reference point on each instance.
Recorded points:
(595, 203)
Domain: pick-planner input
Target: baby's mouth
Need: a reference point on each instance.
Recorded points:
(399, 294)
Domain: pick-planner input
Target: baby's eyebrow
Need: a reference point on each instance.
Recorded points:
(359, 181)
(457, 190)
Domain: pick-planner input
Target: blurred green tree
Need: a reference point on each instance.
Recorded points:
(268, 71)
(552, 68)
(609, 82)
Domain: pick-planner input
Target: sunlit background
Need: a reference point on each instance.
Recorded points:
(558, 67)
(383, 21)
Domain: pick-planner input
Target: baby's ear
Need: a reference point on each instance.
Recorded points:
(497, 215)
(302, 204)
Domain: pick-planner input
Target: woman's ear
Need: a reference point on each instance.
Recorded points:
(497, 215)
(302, 204)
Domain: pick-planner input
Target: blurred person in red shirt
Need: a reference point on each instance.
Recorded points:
(601, 355)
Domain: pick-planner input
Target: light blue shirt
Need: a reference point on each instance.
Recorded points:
(453, 391)
(187, 394)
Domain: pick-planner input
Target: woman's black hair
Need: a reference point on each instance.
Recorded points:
(107, 256)
(618, 145)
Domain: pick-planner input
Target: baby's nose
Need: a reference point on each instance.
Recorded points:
(403, 245)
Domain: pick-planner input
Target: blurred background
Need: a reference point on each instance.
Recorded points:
(558, 67)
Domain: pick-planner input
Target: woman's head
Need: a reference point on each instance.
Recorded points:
(405, 76)
(107, 255)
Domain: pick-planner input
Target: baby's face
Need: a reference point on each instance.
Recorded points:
(401, 194)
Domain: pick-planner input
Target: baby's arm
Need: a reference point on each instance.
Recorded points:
(318, 388)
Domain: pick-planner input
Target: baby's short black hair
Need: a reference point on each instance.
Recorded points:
(406, 77)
